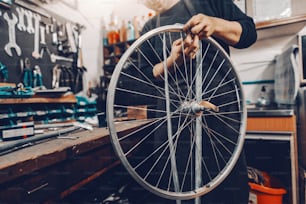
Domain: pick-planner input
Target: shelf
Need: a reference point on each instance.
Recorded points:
(280, 22)
(36, 99)
(112, 54)
(269, 112)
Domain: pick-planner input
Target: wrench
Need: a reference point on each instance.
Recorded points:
(11, 22)
(42, 35)
(29, 15)
(71, 39)
(36, 53)
(55, 58)
(42, 40)
(56, 76)
(21, 26)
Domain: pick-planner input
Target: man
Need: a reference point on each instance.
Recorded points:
(223, 21)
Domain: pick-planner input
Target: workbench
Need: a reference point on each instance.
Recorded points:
(53, 169)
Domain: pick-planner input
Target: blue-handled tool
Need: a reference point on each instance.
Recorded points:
(37, 77)
(3, 73)
(27, 74)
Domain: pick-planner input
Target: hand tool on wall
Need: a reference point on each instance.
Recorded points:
(78, 86)
(42, 30)
(44, 48)
(3, 73)
(30, 27)
(21, 65)
(63, 79)
(53, 30)
(27, 73)
(60, 47)
(62, 44)
(80, 69)
(71, 39)
(43, 43)
(35, 53)
(61, 31)
(37, 76)
(56, 73)
(11, 22)
(21, 25)
(80, 53)
(54, 58)
(70, 78)
(48, 28)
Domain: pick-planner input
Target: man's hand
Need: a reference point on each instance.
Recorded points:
(189, 45)
(181, 48)
(202, 25)
(205, 26)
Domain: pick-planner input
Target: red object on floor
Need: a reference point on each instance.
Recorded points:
(267, 195)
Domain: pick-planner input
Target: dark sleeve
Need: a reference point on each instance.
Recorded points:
(227, 10)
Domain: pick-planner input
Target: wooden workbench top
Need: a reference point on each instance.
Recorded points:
(46, 153)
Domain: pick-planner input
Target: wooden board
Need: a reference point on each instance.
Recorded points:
(271, 124)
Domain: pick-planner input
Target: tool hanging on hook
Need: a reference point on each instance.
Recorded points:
(37, 77)
(21, 14)
(30, 27)
(27, 73)
(3, 73)
(11, 22)
(35, 53)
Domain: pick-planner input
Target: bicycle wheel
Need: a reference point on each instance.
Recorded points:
(191, 121)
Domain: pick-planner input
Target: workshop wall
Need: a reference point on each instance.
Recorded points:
(32, 39)
(256, 65)
(93, 15)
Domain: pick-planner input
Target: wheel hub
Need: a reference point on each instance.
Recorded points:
(196, 108)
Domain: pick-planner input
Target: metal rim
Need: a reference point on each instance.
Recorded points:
(231, 119)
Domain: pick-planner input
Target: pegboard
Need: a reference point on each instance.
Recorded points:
(39, 36)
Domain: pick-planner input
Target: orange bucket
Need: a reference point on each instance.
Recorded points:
(266, 195)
